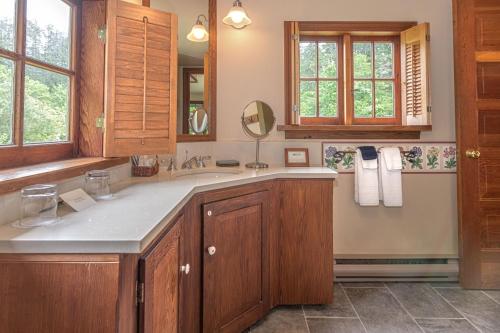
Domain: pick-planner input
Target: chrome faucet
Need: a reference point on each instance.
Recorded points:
(195, 162)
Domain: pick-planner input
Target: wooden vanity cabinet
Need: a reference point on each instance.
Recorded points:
(272, 245)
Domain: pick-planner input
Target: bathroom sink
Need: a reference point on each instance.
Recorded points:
(206, 173)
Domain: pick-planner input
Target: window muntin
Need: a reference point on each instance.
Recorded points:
(374, 80)
(38, 78)
(319, 68)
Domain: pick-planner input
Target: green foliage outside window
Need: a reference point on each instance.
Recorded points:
(319, 61)
(46, 104)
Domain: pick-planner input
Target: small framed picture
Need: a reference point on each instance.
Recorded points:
(296, 157)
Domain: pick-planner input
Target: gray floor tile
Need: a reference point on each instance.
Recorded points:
(363, 284)
(282, 319)
(335, 325)
(481, 310)
(495, 294)
(380, 311)
(339, 308)
(422, 301)
(445, 284)
(446, 326)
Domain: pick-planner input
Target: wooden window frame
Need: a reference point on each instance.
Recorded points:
(294, 129)
(17, 154)
(396, 120)
(339, 120)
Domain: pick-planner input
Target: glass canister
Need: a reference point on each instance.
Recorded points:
(97, 184)
(38, 205)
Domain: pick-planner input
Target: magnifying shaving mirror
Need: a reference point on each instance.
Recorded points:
(198, 121)
(257, 121)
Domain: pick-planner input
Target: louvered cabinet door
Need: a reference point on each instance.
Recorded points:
(141, 76)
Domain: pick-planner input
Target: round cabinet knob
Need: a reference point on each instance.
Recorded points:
(211, 250)
(475, 154)
(209, 213)
(186, 268)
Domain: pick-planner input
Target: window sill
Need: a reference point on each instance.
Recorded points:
(14, 179)
(352, 131)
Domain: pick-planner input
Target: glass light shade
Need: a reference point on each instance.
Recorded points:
(237, 16)
(198, 33)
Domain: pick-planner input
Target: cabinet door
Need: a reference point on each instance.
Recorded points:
(306, 241)
(160, 275)
(141, 80)
(59, 293)
(236, 265)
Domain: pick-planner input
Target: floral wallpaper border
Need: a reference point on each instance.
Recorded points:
(423, 157)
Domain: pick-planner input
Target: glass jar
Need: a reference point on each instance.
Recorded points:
(38, 205)
(97, 184)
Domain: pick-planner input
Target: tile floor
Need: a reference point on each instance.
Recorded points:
(391, 307)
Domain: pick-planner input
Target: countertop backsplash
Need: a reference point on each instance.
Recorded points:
(10, 204)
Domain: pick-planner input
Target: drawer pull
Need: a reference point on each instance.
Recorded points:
(211, 250)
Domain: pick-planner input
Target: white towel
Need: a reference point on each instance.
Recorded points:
(365, 181)
(391, 188)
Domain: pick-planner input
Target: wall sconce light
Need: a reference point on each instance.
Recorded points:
(198, 33)
(237, 16)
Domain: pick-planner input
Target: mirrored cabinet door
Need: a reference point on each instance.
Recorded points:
(197, 56)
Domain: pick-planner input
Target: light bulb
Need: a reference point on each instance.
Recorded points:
(198, 33)
(237, 16)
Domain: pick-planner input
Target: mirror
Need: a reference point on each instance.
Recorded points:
(197, 57)
(198, 121)
(257, 121)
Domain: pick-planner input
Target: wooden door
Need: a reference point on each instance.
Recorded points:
(477, 91)
(236, 264)
(306, 241)
(160, 272)
(141, 80)
(59, 293)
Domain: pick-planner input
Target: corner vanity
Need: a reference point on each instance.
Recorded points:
(207, 252)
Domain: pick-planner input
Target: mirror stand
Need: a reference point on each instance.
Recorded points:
(257, 164)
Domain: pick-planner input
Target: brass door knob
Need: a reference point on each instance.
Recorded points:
(475, 154)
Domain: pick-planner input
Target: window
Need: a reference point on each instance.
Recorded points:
(37, 81)
(352, 73)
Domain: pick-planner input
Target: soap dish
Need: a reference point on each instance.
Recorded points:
(227, 163)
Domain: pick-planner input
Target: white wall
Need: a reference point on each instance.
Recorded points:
(250, 67)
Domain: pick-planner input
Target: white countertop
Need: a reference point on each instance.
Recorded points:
(142, 209)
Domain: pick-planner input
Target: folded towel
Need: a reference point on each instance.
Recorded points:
(366, 191)
(391, 188)
(392, 157)
(368, 152)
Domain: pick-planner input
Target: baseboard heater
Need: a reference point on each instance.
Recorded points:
(396, 270)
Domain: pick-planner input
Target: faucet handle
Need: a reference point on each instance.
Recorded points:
(172, 165)
(203, 159)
